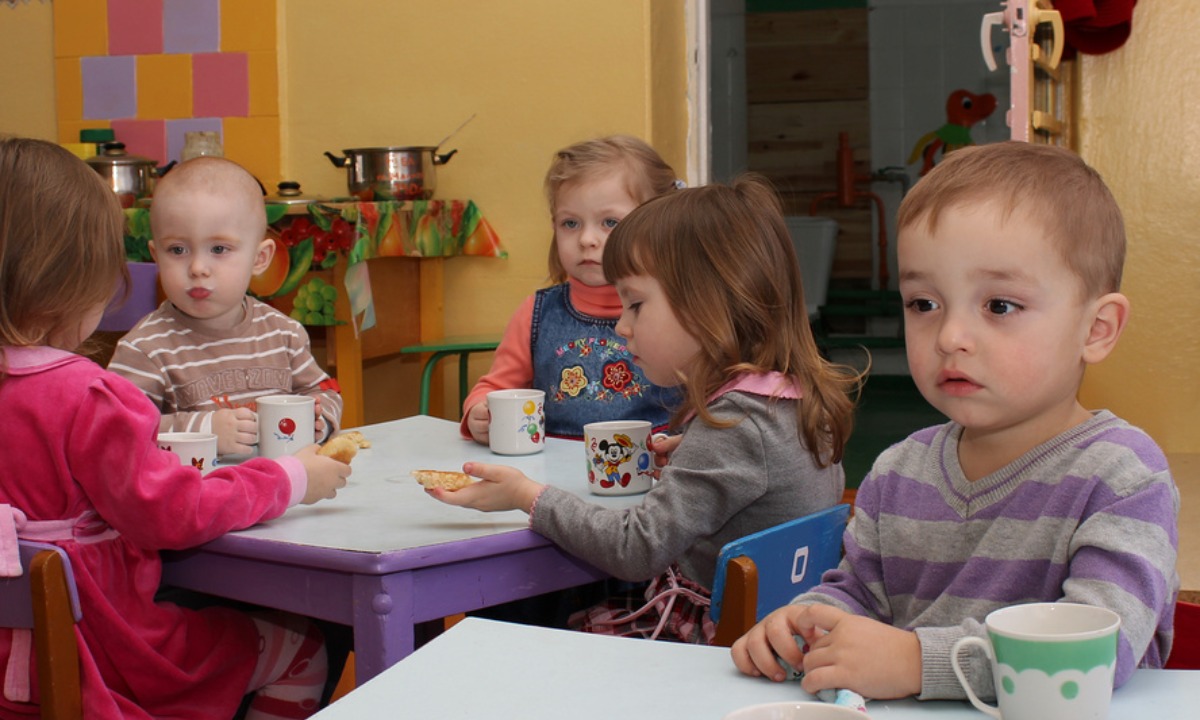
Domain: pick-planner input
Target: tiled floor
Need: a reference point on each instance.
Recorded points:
(1186, 470)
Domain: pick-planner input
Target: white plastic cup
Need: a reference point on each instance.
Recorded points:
(285, 424)
(196, 449)
(618, 459)
(518, 421)
(1049, 660)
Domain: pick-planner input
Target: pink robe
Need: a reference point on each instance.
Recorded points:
(79, 438)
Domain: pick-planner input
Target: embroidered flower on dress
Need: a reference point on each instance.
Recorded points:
(617, 375)
(573, 380)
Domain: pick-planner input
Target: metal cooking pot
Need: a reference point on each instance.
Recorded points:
(131, 177)
(391, 173)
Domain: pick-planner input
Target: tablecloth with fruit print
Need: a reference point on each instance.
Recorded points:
(311, 239)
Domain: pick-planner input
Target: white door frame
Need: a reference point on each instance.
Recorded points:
(699, 140)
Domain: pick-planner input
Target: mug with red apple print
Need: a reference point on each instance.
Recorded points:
(285, 424)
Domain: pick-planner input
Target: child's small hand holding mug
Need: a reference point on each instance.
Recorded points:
(500, 488)
(236, 430)
(325, 475)
(478, 420)
(319, 427)
(662, 445)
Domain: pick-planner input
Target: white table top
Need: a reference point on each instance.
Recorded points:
(384, 509)
(486, 669)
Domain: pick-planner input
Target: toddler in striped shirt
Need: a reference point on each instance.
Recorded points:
(1010, 259)
(210, 349)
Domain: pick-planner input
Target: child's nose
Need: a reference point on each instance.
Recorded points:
(197, 266)
(623, 327)
(954, 334)
(592, 237)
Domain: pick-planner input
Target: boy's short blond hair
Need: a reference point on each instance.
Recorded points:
(1054, 186)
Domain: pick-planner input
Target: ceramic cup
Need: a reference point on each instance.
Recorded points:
(285, 424)
(1049, 660)
(518, 421)
(196, 449)
(795, 711)
(618, 459)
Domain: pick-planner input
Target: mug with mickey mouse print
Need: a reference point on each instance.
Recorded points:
(619, 460)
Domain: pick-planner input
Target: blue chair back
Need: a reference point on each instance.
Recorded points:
(790, 558)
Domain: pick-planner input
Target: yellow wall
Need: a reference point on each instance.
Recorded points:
(537, 74)
(541, 73)
(27, 70)
(1140, 127)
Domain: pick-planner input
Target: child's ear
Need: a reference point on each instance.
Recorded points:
(266, 251)
(153, 250)
(1109, 315)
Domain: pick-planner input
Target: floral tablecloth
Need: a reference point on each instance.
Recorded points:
(311, 239)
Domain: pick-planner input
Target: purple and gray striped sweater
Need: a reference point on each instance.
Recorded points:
(1089, 516)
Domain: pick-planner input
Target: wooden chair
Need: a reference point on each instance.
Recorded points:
(1185, 652)
(764, 571)
(45, 600)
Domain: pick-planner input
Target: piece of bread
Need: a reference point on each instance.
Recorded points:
(442, 479)
(340, 448)
(358, 438)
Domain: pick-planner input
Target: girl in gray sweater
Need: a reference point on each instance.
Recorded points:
(712, 303)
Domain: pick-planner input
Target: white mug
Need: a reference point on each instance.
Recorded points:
(285, 424)
(518, 421)
(618, 459)
(1049, 660)
(196, 449)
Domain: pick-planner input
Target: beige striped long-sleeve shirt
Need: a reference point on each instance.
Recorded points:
(190, 372)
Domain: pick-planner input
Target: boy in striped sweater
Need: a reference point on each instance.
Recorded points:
(210, 349)
(1010, 259)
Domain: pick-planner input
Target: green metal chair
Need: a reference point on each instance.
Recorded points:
(461, 345)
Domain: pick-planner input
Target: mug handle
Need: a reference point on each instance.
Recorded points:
(961, 644)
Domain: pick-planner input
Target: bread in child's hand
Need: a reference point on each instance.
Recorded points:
(442, 479)
(340, 448)
(358, 438)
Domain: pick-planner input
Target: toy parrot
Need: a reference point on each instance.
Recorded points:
(963, 109)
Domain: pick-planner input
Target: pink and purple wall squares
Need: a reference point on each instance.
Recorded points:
(153, 70)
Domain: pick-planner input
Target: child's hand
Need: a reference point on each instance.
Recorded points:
(318, 421)
(478, 418)
(662, 445)
(870, 657)
(756, 652)
(325, 475)
(236, 430)
(844, 651)
(500, 488)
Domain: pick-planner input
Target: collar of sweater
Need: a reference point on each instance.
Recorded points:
(599, 301)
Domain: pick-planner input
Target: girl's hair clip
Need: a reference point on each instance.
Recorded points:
(679, 184)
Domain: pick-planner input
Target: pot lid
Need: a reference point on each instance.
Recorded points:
(114, 154)
(409, 148)
(289, 193)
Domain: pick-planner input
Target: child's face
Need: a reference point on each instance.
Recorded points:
(995, 324)
(655, 337)
(585, 213)
(207, 246)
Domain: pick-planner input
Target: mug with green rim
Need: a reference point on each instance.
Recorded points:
(1048, 660)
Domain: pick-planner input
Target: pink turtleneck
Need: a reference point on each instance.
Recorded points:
(513, 365)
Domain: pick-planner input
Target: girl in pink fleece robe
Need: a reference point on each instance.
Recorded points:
(80, 467)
